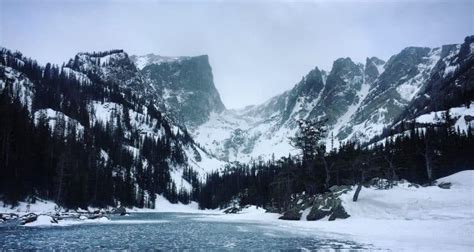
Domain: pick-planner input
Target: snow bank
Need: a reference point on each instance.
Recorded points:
(458, 113)
(162, 205)
(402, 218)
(39, 207)
(42, 220)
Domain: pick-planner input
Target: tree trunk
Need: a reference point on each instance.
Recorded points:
(429, 168)
(359, 186)
(356, 194)
(326, 169)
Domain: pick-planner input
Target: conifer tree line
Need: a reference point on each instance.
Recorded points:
(420, 155)
(79, 162)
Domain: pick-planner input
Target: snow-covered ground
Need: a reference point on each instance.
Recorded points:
(402, 218)
(39, 207)
(162, 205)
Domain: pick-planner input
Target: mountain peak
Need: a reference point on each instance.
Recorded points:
(141, 61)
(185, 84)
(373, 68)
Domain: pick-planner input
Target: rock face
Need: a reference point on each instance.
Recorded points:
(338, 213)
(451, 82)
(445, 185)
(320, 206)
(358, 100)
(328, 204)
(292, 214)
(120, 210)
(185, 86)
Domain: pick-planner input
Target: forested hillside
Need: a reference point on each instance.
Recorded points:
(82, 141)
(420, 155)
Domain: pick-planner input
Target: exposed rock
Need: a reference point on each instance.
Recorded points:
(95, 216)
(317, 214)
(338, 213)
(8, 216)
(292, 214)
(28, 218)
(445, 185)
(382, 184)
(119, 210)
(340, 189)
(413, 185)
(232, 210)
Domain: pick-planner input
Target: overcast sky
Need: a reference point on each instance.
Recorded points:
(256, 50)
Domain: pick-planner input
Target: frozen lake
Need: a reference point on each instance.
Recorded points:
(165, 231)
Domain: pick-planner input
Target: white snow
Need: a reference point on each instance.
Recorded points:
(42, 220)
(52, 116)
(206, 165)
(409, 89)
(81, 77)
(162, 205)
(449, 70)
(39, 207)
(346, 117)
(22, 87)
(149, 59)
(402, 218)
(380, 68)
(457, 113)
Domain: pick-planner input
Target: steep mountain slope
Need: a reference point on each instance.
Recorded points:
(183, 86)
(117, 67)
(451, 83)
(358, 100)
(94, 101)
(136, 111)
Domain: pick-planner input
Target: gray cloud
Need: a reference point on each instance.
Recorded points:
(257, 50)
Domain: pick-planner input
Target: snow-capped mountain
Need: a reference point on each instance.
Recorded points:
(358, 100)
(180, 87)
(102, 95)
(183, 86)
(151, 59)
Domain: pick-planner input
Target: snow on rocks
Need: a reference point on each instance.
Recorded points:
(464, 117)
(404, 217)
(42, 220)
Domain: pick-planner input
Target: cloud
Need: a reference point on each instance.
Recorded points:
(257, 49)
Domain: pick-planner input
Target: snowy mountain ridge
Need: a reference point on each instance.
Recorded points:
(151, 59)
(358, 100)
(131, 119)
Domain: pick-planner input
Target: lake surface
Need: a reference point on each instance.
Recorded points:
(165, 231)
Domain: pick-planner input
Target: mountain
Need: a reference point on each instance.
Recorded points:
(359, 101)
(148, 125)
(183, 86)
(88, 121)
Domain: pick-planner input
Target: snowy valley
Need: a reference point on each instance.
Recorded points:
(107, 134)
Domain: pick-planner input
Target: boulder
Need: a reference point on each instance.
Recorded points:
(232, 210)
(445, 185)
(339, 213)
(292, 214)
(339, 189)
(413, 185)
(25, 219)
(317, 214)
(119, 210)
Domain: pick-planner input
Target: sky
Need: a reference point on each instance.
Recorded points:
(257, 49)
